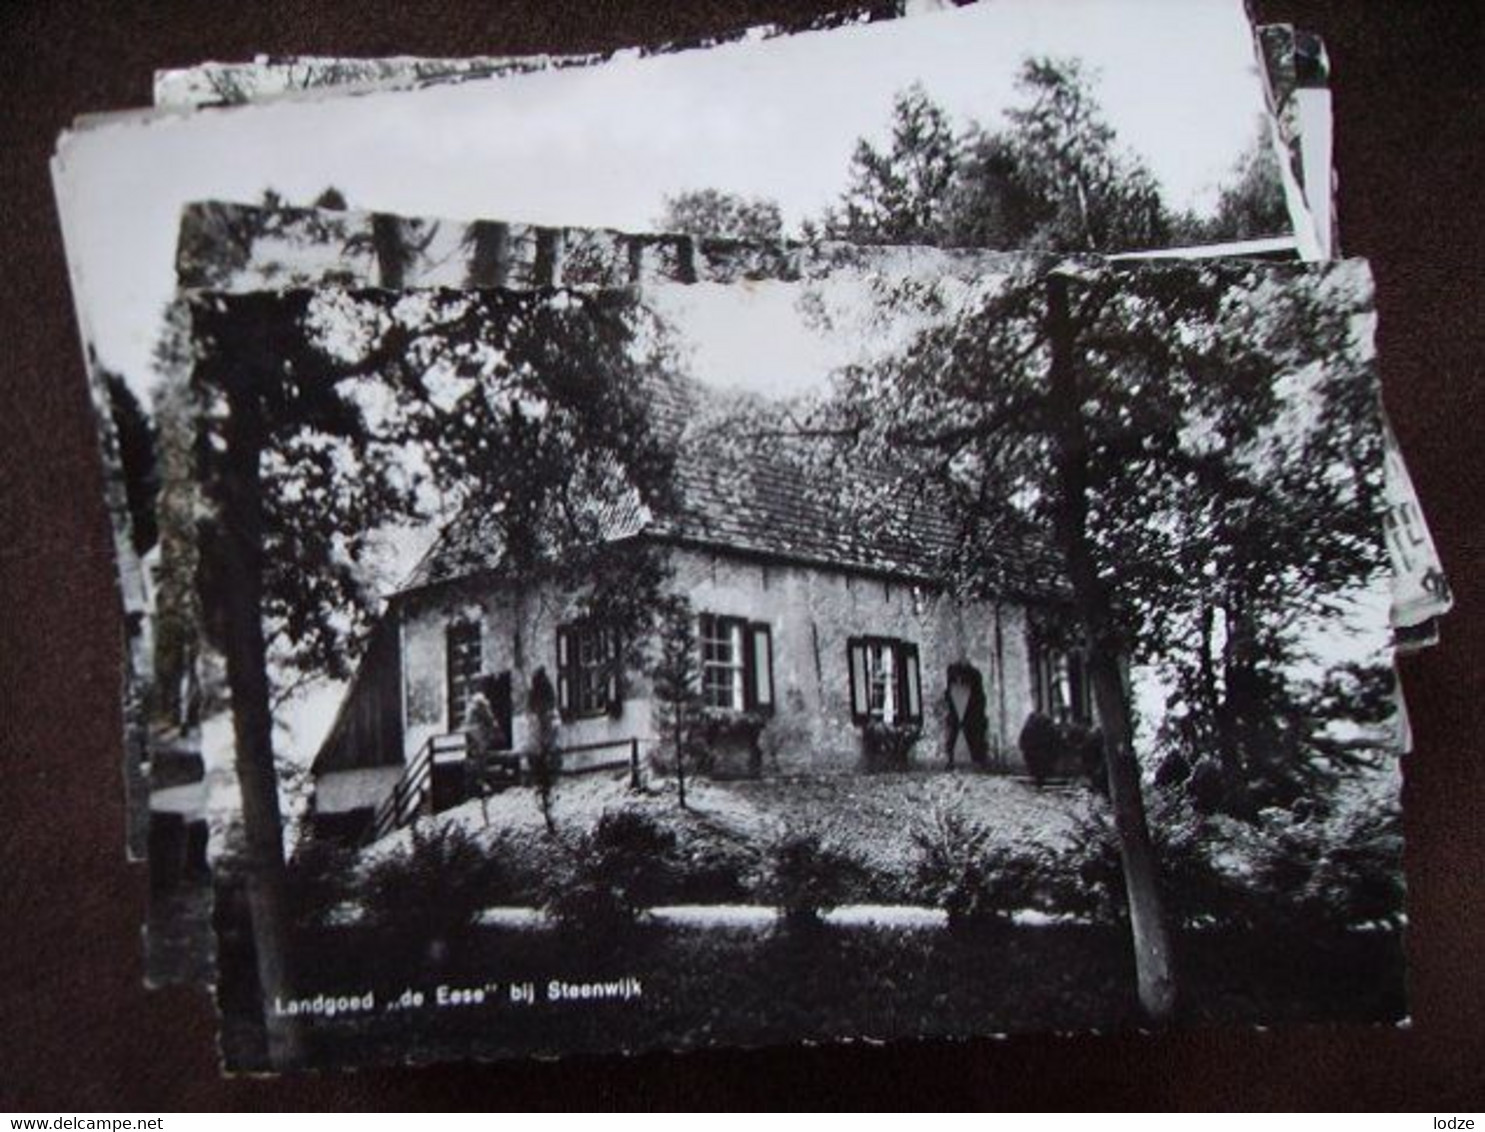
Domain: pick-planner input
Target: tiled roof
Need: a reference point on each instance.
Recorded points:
(755, 500)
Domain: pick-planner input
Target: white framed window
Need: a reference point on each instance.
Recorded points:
(736, 663)
(881, 682)
(886, 683)
(1061, 681)
(722, 666)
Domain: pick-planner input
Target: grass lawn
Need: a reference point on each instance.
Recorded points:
(872, 817)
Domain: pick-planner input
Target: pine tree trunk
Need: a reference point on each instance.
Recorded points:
(237, 573)
(489, 258)
(392, 252)
(1154, 968)
(547, 269)
(680, 756)
(686, 253)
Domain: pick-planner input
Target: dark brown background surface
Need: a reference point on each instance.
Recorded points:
(77, 1030)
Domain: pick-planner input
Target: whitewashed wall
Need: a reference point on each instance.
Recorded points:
(812, 612)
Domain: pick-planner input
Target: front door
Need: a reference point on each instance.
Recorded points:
(968, 738)
(497, 689)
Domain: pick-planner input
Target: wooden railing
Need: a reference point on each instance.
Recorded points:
(626, 755)
(412, 796)
(413, 792)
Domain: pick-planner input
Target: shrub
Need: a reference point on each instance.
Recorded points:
(1087, 877)
(1332, 872)
(1041, 746)
(785, 734)
(1057, 750)
(807, 877)
(426, 898)
(613, 872)
(889, 746)
(726, 731)
(1188, 846)
(1325, 872)
(976, 881)
(319, 877)
(520, 866)
(711, 872)
(725, 725)
(696, 752)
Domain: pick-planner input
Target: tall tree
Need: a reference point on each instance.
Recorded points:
(897, 195)
(327, 414)
(138, 453)
(1055, 178)
(1052, 178)
(1136, 416)
(1265, 556)
(177, 606)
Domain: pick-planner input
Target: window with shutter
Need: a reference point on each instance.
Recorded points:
(1061, 684)
(736, 663)
(588, 669)
(886, 682)
(883, 694)
(724, 669)
(465, 662)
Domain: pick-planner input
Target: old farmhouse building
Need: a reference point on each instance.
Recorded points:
(813, 638)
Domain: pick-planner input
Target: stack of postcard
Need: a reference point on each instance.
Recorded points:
(882, 529)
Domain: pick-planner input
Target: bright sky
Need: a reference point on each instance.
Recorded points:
(751, 337)
(602, 146)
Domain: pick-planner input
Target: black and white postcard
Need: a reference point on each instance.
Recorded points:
(869, 652)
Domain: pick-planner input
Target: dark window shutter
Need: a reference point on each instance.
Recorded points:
(749, 671)
(912, 691)
(1040, 681)
(1078, 688)
(856, 654)
(565, 661)
(759, 639)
